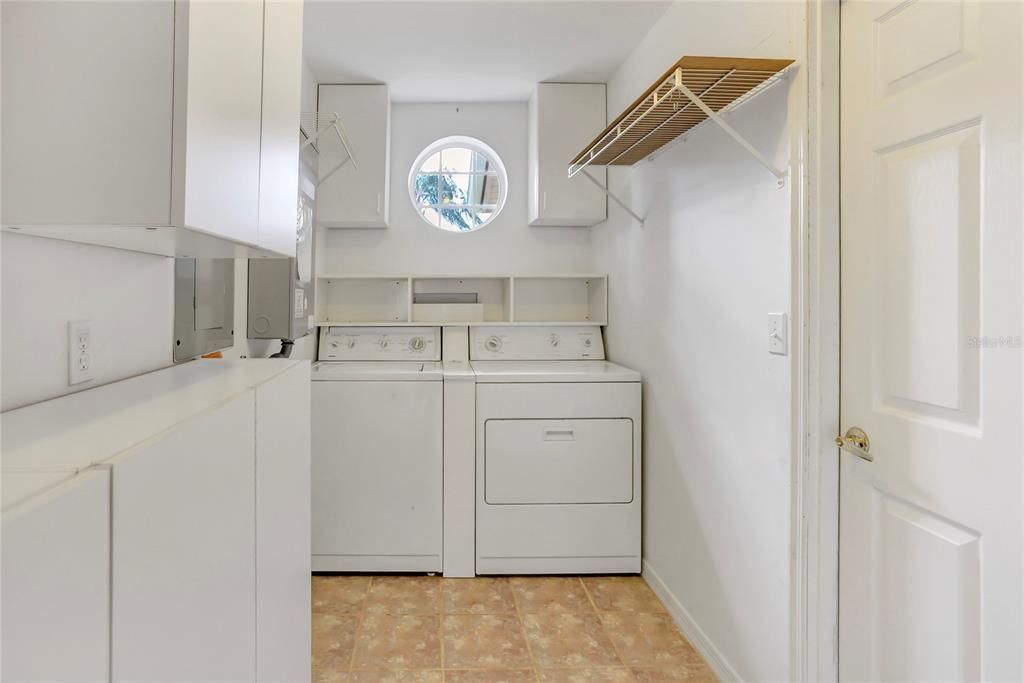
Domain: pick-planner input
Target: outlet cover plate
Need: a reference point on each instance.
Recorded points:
(80, 361)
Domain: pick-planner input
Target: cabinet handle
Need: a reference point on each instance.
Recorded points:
(551, 434)
(380, 201)
(544, 200)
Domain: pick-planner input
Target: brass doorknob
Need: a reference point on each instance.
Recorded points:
(856, 441)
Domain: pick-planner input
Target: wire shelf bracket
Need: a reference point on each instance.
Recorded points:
(332, 123)
(695, 90)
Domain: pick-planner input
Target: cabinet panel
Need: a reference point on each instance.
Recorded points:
(356, 197)
(56, 583)
(282, 97)
(223, 59)
(377, 490)
(183, 605)
(563, 117)
(86, 131)
(283, 528)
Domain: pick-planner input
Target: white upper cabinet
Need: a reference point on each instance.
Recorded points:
(218, 68)
(563, 117)
(356, 197)
(140, 124)
(282, 103)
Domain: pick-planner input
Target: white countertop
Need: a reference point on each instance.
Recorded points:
(72, 432)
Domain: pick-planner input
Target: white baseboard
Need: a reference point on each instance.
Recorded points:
(711, 654)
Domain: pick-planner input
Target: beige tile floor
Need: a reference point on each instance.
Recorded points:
(424, 629)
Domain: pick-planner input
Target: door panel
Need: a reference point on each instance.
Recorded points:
(582, 461)
(184, 572)
(377, 476)
(930, 531)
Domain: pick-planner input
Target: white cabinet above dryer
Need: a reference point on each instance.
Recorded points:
(356, 196)
(139, 125)
(562, 117)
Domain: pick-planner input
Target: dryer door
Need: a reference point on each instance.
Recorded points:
(545, 462)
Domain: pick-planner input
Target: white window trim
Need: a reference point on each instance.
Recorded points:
(463, 142)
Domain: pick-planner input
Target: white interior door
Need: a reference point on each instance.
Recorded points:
(930, 531)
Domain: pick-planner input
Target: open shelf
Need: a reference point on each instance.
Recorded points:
(362, 299)
(462, 300)
(665, 111)
(693, 91)
(543, 299)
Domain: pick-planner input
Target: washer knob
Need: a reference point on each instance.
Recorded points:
(553, 340)
(417, 344)
(493, 343)
(334, 344)
(351, 343)
(587, 342)
(384, 342)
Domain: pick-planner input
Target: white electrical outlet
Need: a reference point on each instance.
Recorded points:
(778, 337)
(79, 352)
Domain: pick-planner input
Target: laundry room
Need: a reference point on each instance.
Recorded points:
(489, 341)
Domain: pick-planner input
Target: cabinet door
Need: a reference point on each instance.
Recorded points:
(87, 112)
(356, 197)
(283, 528)
(219, 54)
(183, 606)
(564, 117)
(56, 583)
(377, 476)
(279, 156)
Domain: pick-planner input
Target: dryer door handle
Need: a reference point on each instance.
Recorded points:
(559, 434)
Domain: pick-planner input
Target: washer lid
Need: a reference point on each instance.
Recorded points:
(376, 371)
(552, 371)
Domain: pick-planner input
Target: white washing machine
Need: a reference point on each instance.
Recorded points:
(557, 453)
(377, 450)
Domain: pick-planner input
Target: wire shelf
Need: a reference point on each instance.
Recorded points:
(688, 94)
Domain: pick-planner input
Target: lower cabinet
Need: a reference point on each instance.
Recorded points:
(56, 583)
(184, 530)
(184, 558)
(283, 529)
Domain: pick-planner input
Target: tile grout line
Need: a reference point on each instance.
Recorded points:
(522, 629)
(440, 627)
(359, 628)
(604, 630)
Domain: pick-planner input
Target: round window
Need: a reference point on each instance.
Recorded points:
(458, 184)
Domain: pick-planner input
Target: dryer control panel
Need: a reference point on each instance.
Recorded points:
(582, 342)
(380, 343)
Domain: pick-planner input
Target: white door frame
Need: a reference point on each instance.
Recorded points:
(815, 552)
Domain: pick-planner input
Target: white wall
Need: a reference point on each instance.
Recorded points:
(128, 297)
(690, 294)
(409, 245)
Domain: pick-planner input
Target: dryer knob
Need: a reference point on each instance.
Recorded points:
(351, 343)
(334, 344)
(553, 340)
(493, 343)
(417, 344)
(384, 342)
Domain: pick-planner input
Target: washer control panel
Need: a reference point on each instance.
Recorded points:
(380, 343)
(536, 343)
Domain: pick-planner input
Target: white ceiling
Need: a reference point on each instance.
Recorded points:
(472, 50)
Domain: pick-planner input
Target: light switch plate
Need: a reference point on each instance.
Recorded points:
(79, 352)
(778, 334)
